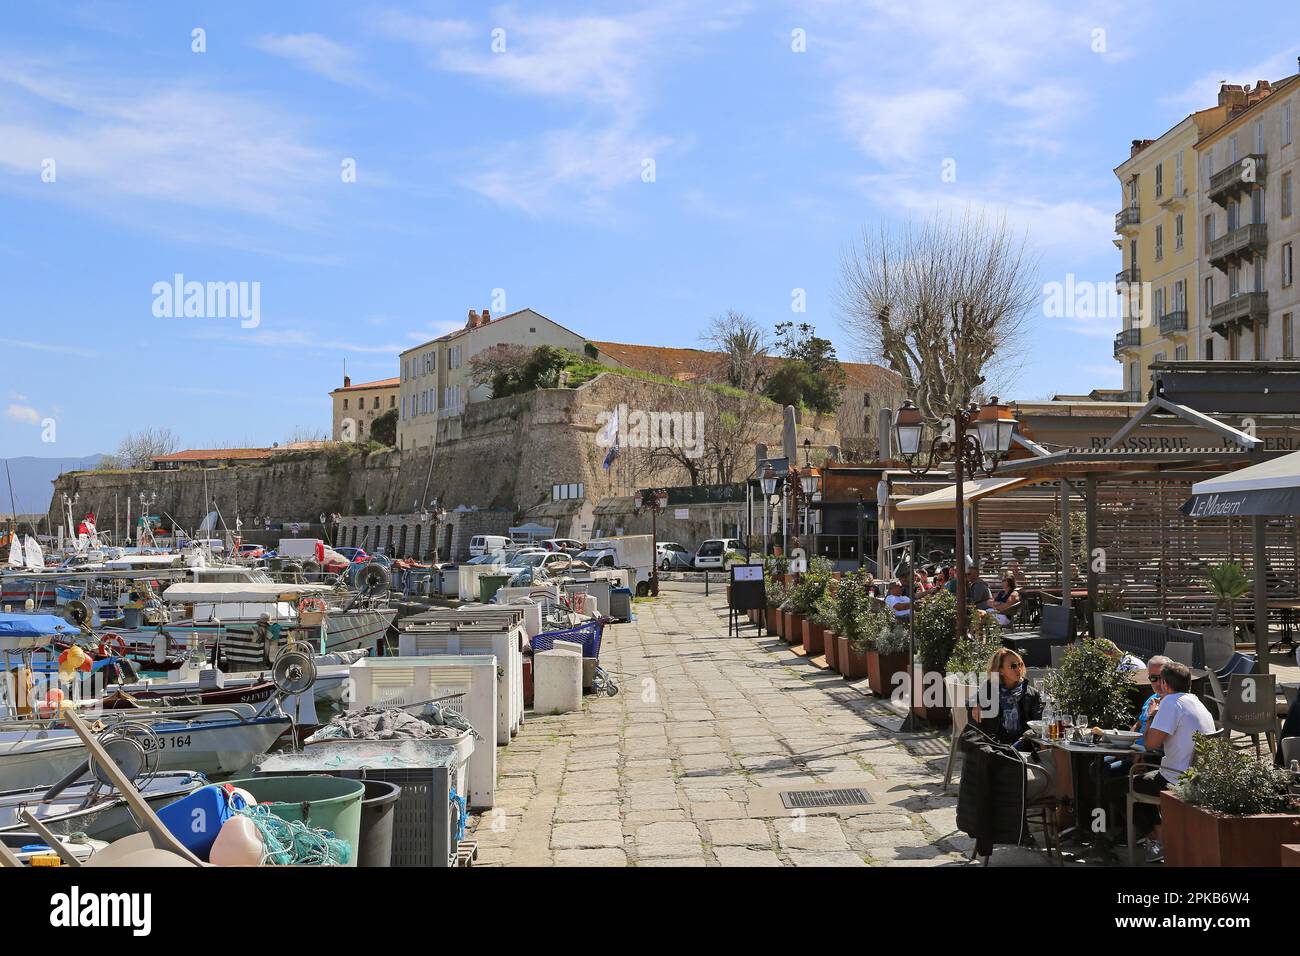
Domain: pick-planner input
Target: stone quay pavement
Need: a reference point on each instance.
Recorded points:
(684, 765)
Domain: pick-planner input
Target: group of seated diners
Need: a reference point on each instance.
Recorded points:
(979, 596)
(1166, 720)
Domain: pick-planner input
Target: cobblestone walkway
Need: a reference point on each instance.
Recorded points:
(679, 769)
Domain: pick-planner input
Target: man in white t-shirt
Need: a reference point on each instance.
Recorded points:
(1173, 720)
(898, 602)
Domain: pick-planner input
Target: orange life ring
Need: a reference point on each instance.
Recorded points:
(311, 604)
(110, 641)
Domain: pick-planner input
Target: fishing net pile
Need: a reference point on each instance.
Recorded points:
(391, 723)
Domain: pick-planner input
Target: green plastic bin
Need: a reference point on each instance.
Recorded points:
(490, 584)
(319, 800)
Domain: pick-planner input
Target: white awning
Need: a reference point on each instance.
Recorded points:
(1272, 475)
(243, 592)
(947, 497)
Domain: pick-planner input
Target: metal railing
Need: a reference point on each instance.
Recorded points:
(1243, 241)
(1128, 216)
(1173, 322)
(1128, 276)
(1241, 176)
(1128, 339)
(1242, 307)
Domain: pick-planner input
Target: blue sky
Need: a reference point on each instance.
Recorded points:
(523, 170)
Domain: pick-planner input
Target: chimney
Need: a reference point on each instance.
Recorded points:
(1232, 95)
(487, 317)
(473, 320)
(347, 382)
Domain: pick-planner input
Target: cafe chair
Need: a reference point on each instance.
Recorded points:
(960, 717)
(1047, 805)
(1179, 651)
(1058, 654)
(1256, 717)
(1143, 763)
(1290, 750)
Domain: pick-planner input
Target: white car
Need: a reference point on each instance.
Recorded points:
(670, 556)
(713, 553)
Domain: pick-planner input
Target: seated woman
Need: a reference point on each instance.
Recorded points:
(1018, 701)
(1006, 600)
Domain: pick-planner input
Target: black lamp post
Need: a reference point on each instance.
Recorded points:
(980, 438)
(800, 484)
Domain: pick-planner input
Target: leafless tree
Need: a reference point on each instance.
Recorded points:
(305, 433)
(138, 449)
(733, 424)
(503, 360)
(942, 303)
(743, 344)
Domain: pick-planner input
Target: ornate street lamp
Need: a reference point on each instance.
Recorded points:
(980, 438)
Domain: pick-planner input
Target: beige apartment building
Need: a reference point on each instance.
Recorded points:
(1206, 234)
(357, 406)
(1156, 226)
(436, 381)
(1250, 225)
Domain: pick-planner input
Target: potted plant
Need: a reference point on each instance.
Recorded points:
(1087, 682)
(1227, 582)
(1229, 809)
(850, 599)
(827, 616)
(969, 661)
(887, 655)
(803, 599)
(775, 591)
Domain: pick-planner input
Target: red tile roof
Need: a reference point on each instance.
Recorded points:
(393, 382)
(225, 454)
(687, 364)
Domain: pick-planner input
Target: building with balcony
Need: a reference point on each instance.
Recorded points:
(1156, 238)
(1247, 167)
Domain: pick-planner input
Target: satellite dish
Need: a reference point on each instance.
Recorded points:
(293, 673)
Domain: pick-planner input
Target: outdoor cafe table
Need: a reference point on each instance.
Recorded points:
(1087, 752)
(1288, 609)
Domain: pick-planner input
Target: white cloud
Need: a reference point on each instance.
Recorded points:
(295, 339)
(897, 128)
(24, 413)
(316, 54)
(1203, 92)
(176, 144)
(43, 347)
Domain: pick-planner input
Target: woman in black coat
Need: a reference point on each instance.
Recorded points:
(1018, 701)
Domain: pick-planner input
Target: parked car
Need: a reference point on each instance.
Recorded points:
(497, 558)
(597, 559)
(671, 556)
(355, 555)
(554, 563)
(250, 551)
(487, 543)
(713, 554)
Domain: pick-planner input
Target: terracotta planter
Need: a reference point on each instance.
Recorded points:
(528, 681)
(929, 702)
(793, 628)
(881, 669)
(853, 663)
(773, 621)
(830, 641)
(812, 637)
(1196, 837)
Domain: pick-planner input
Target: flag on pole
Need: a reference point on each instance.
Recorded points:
(609, 437)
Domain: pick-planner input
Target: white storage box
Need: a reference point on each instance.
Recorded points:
(399, 681)
(505, 643)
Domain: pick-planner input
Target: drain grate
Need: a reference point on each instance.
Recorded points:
(819, 799)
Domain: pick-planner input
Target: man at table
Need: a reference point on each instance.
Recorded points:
(1174, 718)
(1155, 666)
(898, 602)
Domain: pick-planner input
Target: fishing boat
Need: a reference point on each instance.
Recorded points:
(87, 808)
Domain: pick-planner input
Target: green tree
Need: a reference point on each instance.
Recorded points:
(811, 374)
(384, 428)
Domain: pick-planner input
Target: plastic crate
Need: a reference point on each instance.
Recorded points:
(589, 634)
(399, 681)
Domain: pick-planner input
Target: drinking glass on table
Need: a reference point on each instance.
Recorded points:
(1081, 724)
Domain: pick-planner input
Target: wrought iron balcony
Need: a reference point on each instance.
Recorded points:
(1172, 323)
(1240, 177)
(1128, 339)
(1128, 277)
(1244, 242)
(1127, 218)
(1245, 307)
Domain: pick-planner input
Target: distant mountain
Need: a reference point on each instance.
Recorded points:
(32, 479)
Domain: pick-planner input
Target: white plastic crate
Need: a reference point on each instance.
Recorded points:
(505, 643)
(396, 681)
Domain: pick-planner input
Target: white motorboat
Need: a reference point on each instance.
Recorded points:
(87, 808)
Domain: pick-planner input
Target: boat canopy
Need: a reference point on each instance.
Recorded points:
(239, 592)
(34, 625)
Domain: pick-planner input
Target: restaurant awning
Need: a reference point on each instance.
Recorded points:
(947, 497)
(1269, 488)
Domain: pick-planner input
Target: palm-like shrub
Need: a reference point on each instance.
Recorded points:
(1227, 582)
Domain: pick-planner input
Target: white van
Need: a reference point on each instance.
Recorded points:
(482, 544)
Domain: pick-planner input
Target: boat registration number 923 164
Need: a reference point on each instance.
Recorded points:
(169, 742)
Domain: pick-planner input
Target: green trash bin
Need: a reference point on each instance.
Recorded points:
(490, 584)
(318, 800)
